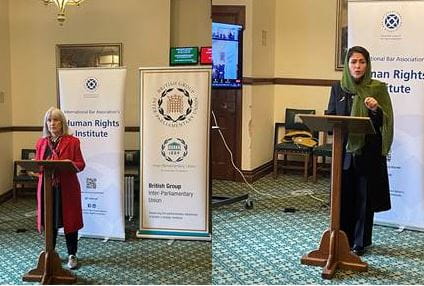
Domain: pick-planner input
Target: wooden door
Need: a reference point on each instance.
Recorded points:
(227, 106)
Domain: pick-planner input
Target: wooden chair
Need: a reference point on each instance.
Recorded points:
(21, 178)
(292, 122)
(323, 150)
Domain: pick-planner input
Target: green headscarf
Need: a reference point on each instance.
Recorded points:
(368, 87)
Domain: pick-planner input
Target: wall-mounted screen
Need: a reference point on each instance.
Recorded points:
(183, 56)
(206, 55)
(226, 55)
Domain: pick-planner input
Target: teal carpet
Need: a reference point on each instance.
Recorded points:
(264, 245)
(134, 261)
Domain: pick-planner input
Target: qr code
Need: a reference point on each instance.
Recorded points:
(91, 183)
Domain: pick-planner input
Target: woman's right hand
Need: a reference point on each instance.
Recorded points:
(371, 103)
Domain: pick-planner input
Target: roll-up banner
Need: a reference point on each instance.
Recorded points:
(174, 139)
(93, 103)
(392, 32)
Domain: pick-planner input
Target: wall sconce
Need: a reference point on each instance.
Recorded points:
(61, 4)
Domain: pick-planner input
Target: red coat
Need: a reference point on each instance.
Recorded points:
(69, 148)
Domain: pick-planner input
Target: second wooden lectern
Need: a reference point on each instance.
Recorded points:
(334, 251)
(49, 268)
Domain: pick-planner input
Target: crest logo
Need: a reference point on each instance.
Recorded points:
(91, 84)
(175, 104)
(174, 150)
(392, 21)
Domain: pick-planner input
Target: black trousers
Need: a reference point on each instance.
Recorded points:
(71, 241)
(356, 215)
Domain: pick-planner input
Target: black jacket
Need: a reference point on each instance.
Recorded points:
(370, 163)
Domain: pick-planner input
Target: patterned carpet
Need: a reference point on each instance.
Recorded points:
(264, 245)
(258, 246)
(134, 261)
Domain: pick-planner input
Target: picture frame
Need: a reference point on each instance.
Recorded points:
(88, 55)
(341, 34)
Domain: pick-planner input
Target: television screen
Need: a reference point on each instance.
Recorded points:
(183, 56)
(226, 55)
(206, 55)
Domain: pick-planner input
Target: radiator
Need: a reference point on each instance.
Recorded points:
(129, 197)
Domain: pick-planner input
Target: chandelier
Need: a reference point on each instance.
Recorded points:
(61, 4)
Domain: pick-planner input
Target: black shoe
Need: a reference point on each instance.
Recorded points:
(358, 250)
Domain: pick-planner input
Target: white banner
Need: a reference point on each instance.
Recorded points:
(175, 120)
(392, 32)
(93, 102)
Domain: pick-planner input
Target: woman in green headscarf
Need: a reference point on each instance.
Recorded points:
(365, 184)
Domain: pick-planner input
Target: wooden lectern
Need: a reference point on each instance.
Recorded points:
(334, 251)
(49, 268)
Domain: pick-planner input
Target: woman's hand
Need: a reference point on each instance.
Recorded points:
(371, 103)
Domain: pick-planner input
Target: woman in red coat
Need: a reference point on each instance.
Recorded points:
(57, 144)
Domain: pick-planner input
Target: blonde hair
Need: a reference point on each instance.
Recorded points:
(55, 112)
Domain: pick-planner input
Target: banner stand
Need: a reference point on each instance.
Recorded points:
(174, 153)
(92, 100)
(391, 33)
